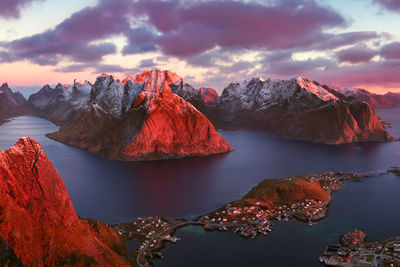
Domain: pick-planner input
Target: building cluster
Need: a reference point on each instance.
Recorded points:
(152, 232)
(329, 181)
(252, 219)
(355, 251)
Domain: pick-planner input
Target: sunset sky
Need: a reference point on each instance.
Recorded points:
(343, 43)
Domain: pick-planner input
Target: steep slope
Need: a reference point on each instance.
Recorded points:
(276, 192)
(204, 99)
(209, 95)
(298, 109)
(56, 104)
(11, 104)
(388, 100)
(37, 220)
(140, 118)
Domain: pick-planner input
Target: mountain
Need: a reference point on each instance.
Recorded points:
(297, 109)
(209, 95)
(388, 100)
(138, 118)
(55, 104)
(11, 104)
(38, 224)
(204, 99)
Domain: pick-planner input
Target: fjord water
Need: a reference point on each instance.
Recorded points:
(113, 192)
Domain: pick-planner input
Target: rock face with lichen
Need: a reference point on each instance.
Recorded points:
(38, 224)
(298, 109)
(139, 118)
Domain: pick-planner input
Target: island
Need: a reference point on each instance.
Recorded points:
(304, 197)
(355, 250)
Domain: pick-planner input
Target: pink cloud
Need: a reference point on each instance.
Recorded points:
(190, 29)
(12, 8)
(356, 54)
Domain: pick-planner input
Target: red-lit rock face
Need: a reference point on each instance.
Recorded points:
(37, 219)
(140, 119)
(209, 95)
(173, 126)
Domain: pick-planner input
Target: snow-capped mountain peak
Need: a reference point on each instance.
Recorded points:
(317, 90)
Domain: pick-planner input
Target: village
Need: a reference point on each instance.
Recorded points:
(355, 251)
(248, 218)
(152, 232)
(255, 218)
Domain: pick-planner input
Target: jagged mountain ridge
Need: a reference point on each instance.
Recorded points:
(138, 118)
(298, 109)
(54, 104)
(388, 100)
(11, 104)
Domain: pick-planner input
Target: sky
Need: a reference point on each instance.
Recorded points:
(341, 43)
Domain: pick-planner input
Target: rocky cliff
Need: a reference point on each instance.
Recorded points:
(139, 118)
(55, 104)
(298, 109)
(11, 104)
(38, 223)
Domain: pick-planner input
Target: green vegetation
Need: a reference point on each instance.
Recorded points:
(369, 258)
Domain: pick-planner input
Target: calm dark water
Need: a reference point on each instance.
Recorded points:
(115, 192)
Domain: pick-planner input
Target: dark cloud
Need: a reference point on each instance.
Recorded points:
(298, 67)
(337, 40)
(211, 58)
(147, 63)
(140, 39)
(12, 8)
(357, 54)
(237, 67)
(191, 29)
(73, 68)
(277, 56)
(72, 38)
(389, 4)
(97, 68)
(391, 51)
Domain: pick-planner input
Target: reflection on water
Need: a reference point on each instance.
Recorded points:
(115, 191)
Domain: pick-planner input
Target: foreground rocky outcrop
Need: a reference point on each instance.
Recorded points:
(11, 104)
(388, 100)
(298, 109)
(138, 118)
(38, 224)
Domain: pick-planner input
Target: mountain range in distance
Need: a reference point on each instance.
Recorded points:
(388, 100)
(155, 115)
